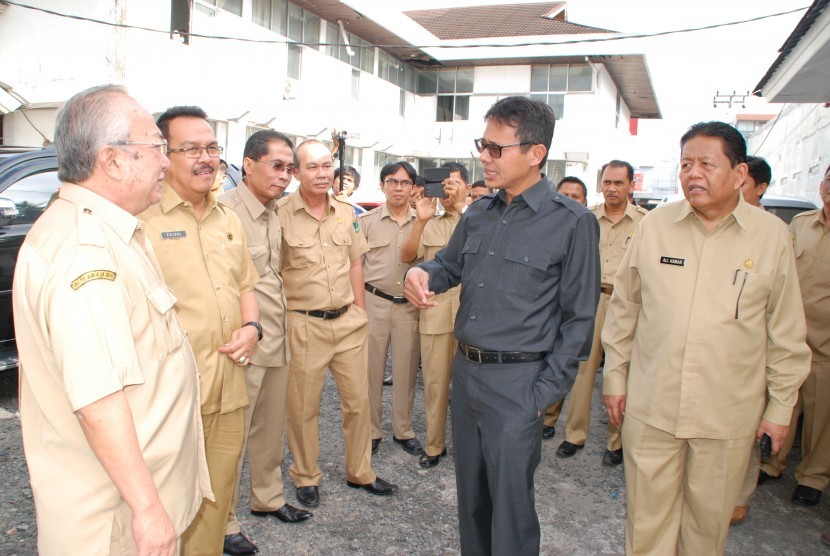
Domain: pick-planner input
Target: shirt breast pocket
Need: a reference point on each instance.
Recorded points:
(470, 252)
(166, 328)
(343, 243)
(302, 252)
(259, 258)
(523, 270)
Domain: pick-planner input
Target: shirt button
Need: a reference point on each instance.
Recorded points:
(217, 286)
(481, 285)
(526, 259)
(473, 317)
(325, 245)
(491, 253)
(224, 319)
(398, 283)
(504, 221)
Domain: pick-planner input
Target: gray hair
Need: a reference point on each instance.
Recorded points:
(88, 121)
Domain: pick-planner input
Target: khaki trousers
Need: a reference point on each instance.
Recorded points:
(264, 441)
(680, 492)
(814, 470)
(395, 323)
(751, 478)
(437, 352)
(340, 345)
(579, 406)
(224, 434)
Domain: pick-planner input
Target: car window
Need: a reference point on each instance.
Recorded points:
(32, 195)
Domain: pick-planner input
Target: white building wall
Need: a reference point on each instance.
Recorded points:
(797, 146)
(242, 84)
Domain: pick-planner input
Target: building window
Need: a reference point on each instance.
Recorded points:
(563, 78)
(452, 108)
(555, 170)
(270, 14)
(446, 81)
(402, 104)
(180, 21)
(355, 84)
(232, 6)
(295, 60)
(554, 100)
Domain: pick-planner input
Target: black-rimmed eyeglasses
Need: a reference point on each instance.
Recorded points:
(494, 149)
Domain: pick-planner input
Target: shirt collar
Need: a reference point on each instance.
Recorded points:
(532, 196)
(630, 211)
(122, 222)
(254, 206)
(742, 213)
(384, 213)
(170, 199)
(298, 203)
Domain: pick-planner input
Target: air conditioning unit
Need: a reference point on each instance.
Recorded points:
(291, 89)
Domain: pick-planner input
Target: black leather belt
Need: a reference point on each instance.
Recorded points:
(326, 315)
(606, 289)
(477, 355)
(382, 294)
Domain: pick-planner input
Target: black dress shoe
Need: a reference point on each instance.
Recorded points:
(411, 445)
(375, 444)
(431, 461)
(612, 458)
(239, 545)
(763, 477)
(806, 496)
(548, 432)
(567, 449)
(378, 487)
(286, 514)
(309, 496)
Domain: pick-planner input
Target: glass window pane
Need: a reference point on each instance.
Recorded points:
(295, 22)
(464, 80)
(462, 108)
(233, 6)
(446, 81)
(409, 78)
(311, 29)
(332, 38)
(262, 13)
(539, 78)
(558, 78)
(580, 77)
(427, 82)
(541, 97)
(295, 60)
(402, 104)
(367, 59)
(383, 62)
(355, 84)
(279, 17)
(557, 102)
(443, 111)
(31, 195)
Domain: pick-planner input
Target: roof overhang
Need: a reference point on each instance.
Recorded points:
(801, 73)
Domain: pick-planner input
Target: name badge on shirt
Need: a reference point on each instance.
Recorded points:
(673, 261)
(173, 235)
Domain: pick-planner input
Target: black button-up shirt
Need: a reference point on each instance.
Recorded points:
(530, 275)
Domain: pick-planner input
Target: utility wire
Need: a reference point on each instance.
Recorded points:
(615, 37)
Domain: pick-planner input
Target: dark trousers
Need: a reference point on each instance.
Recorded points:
(497, 434)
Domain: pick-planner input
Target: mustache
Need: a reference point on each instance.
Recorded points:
(202, 167)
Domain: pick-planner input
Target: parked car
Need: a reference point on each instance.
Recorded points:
(781, 206)
(28, 180)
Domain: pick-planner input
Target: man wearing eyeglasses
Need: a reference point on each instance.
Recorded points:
(203, 254)
(391, 319)
(528, 264)
(267, 168)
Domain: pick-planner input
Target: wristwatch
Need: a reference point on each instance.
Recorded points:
(257, 326)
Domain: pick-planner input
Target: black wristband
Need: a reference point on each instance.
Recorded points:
(257, 326)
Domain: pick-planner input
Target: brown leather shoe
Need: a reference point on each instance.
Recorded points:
(739, 515)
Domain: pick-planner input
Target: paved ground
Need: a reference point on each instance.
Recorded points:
(581, 504)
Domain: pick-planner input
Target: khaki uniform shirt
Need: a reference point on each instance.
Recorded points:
(702, 323)
(441, 318)
(614, 238)
(207, 266)
(317, 254)
(812, 259)
(382, 266)
(93, 316)
(264, 236)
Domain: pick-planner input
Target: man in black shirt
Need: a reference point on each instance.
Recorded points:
(529, 266)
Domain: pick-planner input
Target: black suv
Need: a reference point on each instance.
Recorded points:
(27, 182)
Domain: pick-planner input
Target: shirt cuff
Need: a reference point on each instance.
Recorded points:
(614, 384)
(778, 414)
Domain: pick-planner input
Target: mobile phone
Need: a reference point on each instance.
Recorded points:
(766, 447)
(433, 178)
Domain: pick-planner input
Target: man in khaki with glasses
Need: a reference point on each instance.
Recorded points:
(203, 255)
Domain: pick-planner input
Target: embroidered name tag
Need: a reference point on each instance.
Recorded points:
(90, 276)
(172, 235)
(673, 261)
